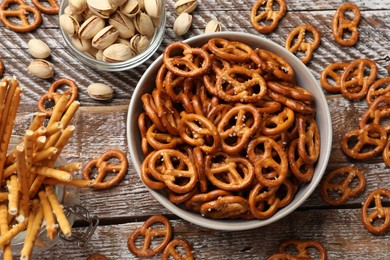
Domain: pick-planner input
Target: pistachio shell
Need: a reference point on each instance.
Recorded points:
(139, 43)
(78, 6)
(82, 45)
(99, 55)
(144, 25)
(213, 26)
(123, 24)
(153, 8)
(117, 2)
(185, 6)
(182, 24)
(87, 14)
(91, 27)
(69, 24)
(101, 8)
(105, 37)
(124, 41)
(38, 49)
(41, 68)
(130, 8)
(141, 4)
(100, 91)
(117, 52)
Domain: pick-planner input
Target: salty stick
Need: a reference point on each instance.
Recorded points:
(45, 154)
(54, 128)
(75, 182)
(51, 229)
(54, 173)
(36, 185)
(40, 143)
(3, 93)
(7, 251)
(29, 140)
(13, 197)
(37, 121)
(72, 167)
(23, 179)
(7, 103)
(32, 235)
(58, 110)
(58, 212)
(13, 232)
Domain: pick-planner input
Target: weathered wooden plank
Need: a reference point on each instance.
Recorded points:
(340, 231)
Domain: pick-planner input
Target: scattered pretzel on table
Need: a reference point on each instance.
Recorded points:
(303, 248)
(170, 250)
(21, 13)
(342, 188)
(53, 9)
(340, 24)
(269, 14)
(331, 71)
(54, 95)
(376, 219)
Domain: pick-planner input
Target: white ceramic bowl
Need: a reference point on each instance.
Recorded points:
(304, 79)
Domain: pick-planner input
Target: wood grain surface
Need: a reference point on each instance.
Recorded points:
(102, 125)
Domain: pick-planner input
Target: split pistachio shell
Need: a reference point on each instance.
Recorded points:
(139, 43)
(82, 45)
(100, 91)
(91, 27)
(144, 25)
(153, 8)
(117, 2)
(78, 6)
(38, 49)
(130, 8)
(123, 24)
(213, 26)
(141, 4)
(185, 6)
(41, 68)
(69, 24)
(124, 41)
(101, 8)
(105, 37)
(117, 52)
(182, 24)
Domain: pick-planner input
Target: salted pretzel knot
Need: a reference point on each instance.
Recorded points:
(331, 71)
(170, 250)
(301, 44)
(369, 215)
(149, 233)
(342, 187)
(53, 9)
(269, 14)
(228, 50)
(302, 248)
(21, 13)
(104, 167)
(339, 24)
(53, 95)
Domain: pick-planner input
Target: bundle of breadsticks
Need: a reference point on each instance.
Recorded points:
(25, 200)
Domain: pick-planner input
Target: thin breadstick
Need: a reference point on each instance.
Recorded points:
(7, 103)
(53, 173)
(37, 121)
(72, 167)
(51, 229)
(65, 120)
(29, 140)
(3, 93)
(58, 212)
(75, 182)
(36, 185)
(40, 143)
(7, 130)
(13, 232)
(10, 170)
(58, 110)
(3, 196)
(62, 141)
(13, 196)
(35, 205)
(7, 251)
(45, 154)
(54, 128)
(32, 234)
(23, 178)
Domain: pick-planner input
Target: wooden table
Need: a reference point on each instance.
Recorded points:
(102, 125)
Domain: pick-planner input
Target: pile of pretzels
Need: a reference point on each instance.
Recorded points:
(226, 132)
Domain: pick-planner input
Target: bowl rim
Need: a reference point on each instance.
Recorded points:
(236, 225)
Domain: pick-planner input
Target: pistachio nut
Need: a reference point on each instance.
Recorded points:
(144, 24)
(92, 52)
(185, 6)
(69, 24)
(213, 26)
(124, 41)
(41, 68)
(100, 91)
(130, 8)
(117, 2)
(38, 49)
(105, 37)
(82, 45)
(78, 6)
(99, 55)
(117, 52)
(91, 27)
(139, 43)
(87, 14)
(101, 8)
(141, 4)
(153, 8)
(182, 24)
(123, 24)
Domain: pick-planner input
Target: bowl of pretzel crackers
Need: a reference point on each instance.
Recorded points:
(229, 131)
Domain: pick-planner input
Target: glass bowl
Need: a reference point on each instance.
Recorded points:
(137, 60)
(67, 196)
(304, 79)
